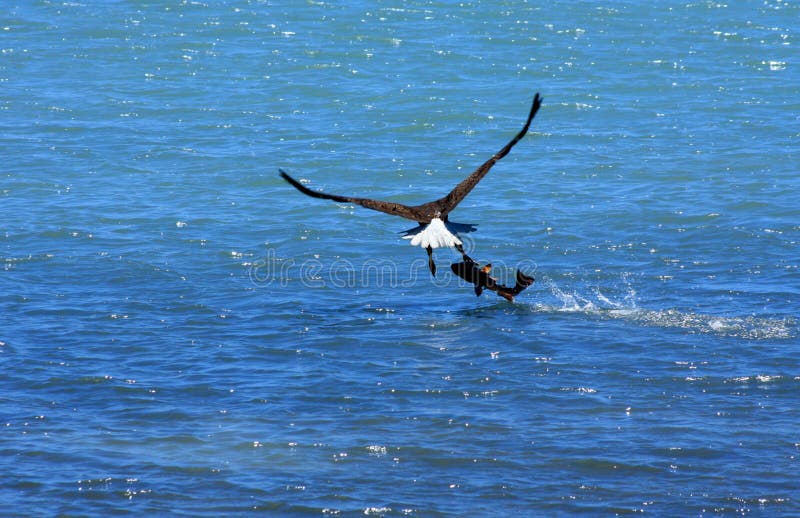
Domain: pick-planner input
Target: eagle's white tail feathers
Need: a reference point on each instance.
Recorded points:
(437, 234)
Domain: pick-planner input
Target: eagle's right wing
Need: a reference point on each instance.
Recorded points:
(461, 190)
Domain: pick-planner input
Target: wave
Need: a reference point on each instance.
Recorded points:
(598, 305)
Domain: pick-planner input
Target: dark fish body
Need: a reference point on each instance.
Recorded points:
(480, 278)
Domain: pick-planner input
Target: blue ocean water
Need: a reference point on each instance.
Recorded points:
(182, 332)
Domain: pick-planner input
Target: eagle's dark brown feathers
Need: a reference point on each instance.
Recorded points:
(439, 208)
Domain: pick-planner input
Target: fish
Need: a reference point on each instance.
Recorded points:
(470, 271)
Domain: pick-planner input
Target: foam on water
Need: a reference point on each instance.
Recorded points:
(629, 309)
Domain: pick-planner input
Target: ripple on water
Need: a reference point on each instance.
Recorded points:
(598, 305)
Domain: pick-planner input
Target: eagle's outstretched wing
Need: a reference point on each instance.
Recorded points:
(396, 209)
(455, 196)
(439, 208)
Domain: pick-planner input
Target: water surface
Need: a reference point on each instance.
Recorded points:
(181, 331)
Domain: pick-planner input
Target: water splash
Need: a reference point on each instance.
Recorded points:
(602, 306)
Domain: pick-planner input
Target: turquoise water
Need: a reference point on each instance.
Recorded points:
(182, 332)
